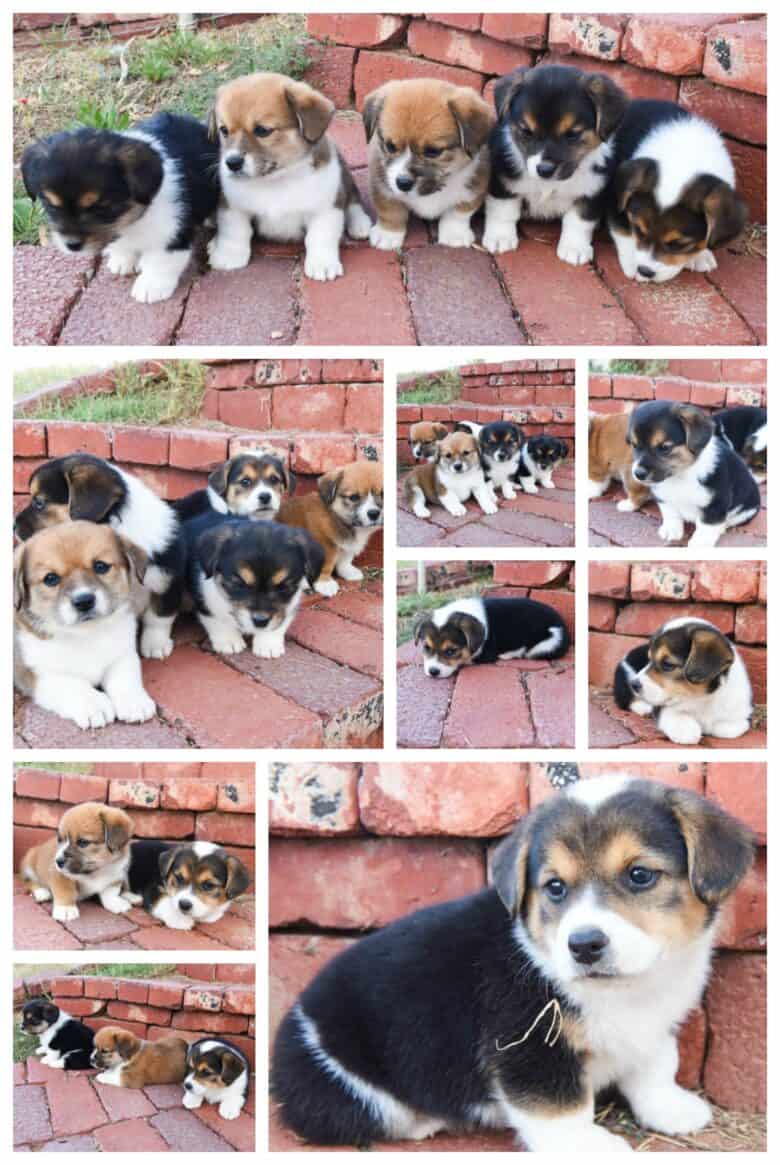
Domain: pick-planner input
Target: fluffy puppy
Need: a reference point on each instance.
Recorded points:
(342, 515)
(539, 458)
(137, 196)
(744, 428)
(691, 678)
(217, 1072)
(484, 630)
(281, 173)
(610, 458)
(514, 1007)
(90, 855)
(75, 627)
(427, 153)
(550, 155)
(250, 484)
(424, 436)
(184, 884)
(500, 447)
(65, 1042)
(246, 579)
(672, 199)
(454, 475)
(129, 1062)
(691, 471)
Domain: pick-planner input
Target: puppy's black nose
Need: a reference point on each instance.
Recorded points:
(74, 245)
(84, 602)
(234, 162)
(374, 514)
(587, 946)
(404, 182)
(433, 671)
(261, 620)
(457, 466)
(187, 1086)
(264, 498)
(546, 169)
(640, 473)
(646, 272)
(185, 905)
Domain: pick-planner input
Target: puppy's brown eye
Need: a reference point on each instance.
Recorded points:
(208, 886)
(82, 843)
(246, 482)
(666, 447)
(432, 152)
(391, 147)
(572, 135)
(354, 498)
(223, 130)
(52, 579)
(449, 652)
(273, 480)
(101, 567)
(262, 131)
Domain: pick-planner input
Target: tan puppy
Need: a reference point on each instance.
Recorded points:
(427, 153)
(342, 515)
(454, 475)
(89, 855)
(130, 1062)
(424, 436)
(609, 459)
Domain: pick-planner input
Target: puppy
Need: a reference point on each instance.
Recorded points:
(64, 1042)
(246, 579)
(672, 199)
(343, 514)
(515, 1006)
(500, 447)
(251, 485)
(744, 428)
(610, 458)
(691, 678)
(424, 436)
(691, 471)
(184, 884)
(281, 172)
(485, 630)
(137, 196)
(217, 1072)
(539, 458)
(129, 1062)
(81, 486)
(74, 625)
(454, 475)
(550, 153)
(427, 153)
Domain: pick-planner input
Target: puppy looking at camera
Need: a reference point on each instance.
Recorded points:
(424, 437)
(691, 678)
(182, 885)
(64, 1042)
(539, 458)
(454, 476)
(217, 1072)
(250, 484)
(514, 1007)
(550, 155)
(610, 458)
(744, 428)
(679, 455)
(344, 512)
(129, 1062)
(427, 154)
(500, 449)
(138, 197)
(281, 174)
(75, 627)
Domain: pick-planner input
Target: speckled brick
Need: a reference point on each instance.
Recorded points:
(255, 305)
(313, 798)
(479, 314)
(46, 285)
(328, 310)
(108, 315)
(31, 1114)
(489, 709)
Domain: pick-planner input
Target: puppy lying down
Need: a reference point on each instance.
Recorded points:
(129, 1062)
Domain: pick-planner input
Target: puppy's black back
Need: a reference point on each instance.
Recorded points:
(633, 661)
(186, 139)
(144, 869)
(192, 505)
(74, 1041)
(517, 623)
(740, 422)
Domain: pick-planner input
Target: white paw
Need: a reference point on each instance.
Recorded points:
(105, 1077)
(577, 254)
(641, 707)
(671, 531)
(92, 710)
(65, 913)
(530, 488)
(41, 894)
(385, 240)
(730, 729)
(322, 269)
(626, 506)
(350, 573)
(117, 905)
(151, 288)
(358, 222)
(421, 512)
(134, 707)
(226, 256)
(229, 641)
(682, 732)
(676, 1113)
(155, 644)
(120, 263)
(594, 1139)
(508, 492)
(190, 1100)
(455, 234)
(548, 484)
(268, 646)
(457, 509)
(596, 488)
(488, 506)
(327, 587)
(704, 261)
(133, 899)
(229, 1112)
(499, 240)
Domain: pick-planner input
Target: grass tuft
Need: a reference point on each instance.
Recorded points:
(435, 388)
(409, 607)
(28, 219)
(104, 114)
(171, 393)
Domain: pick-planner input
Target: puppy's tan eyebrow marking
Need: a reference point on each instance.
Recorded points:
(89, 198)
(248, 575)
(279, 576)
(565, 123)
(51, 197)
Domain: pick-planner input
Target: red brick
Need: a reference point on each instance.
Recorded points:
(636, 82)
(80, 1007)
(730, 582)
(530, 574)
(309, 407)
(469, 50)
(561, 601)
(743, 925)
(754, 659)
(188, 793)
(632, 387)
(203, 998)
(672, 388)
(29, 439)
(208, 1021)
(691, 1043)
(551, 697)
(317, 454)
(360, 31)
(97, 988)
(606, 652)
(46, 285)
(438, 799)
(599, 385)
(736, 55)
(134, 794)
(45, 814)
(73, 1105)
(314, 798)
(735, 1067)
(352, 371)
(115, 1138)
(226, 828)
(609, 579)
(37, 783)
(750, 163)
(133, 991)
(738, 114)
(670, 43)
(235, 973)
(696, 369)
(232, 374)
(240, 1000)
(147, 446)
(751, 624)
(78, 787)
(645, 618)
(328, 310)
(330, 71)
(138, 1013)
(236, 794)
(191, 449)
(363, 411)
(348, 643)
(470, 21)
(593, 36)
(601, 614)
(670, 580)
(744, 371)
(373, 69)
(527, 29)
(65, 437)
(246, 408)
(488, 710)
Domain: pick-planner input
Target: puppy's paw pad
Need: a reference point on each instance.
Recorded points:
(323, 270)
(155, 644)
(455, 234)
(149, 289)
(65, 913)
(135, 707)
(575, 254)
(498, 242)
(385, 240)
(226, 256)
(327, 587)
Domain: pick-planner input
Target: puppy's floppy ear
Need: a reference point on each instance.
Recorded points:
(143, 169)
(563, 447)
(127, 1045)
(507, 86)
(218, 478)
(94, 489)
(136, 558)
(237, 877)
(699, 426)
(471, 628)
(711, 654)
(609, 101)
(20, 576)
(372, 109)
(474, 119)
(509, 868)
(328, 485)
(231, 1066)
(166, 860)
(210, 544)
(312, 110)
(422, 626)
(117, 827)
(720, 848)
(519, 434)
(724, 211)
(313, 553)
(440, 430)
(637, 176)
(33, 160)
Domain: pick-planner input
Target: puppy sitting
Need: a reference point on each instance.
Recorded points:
(744, 428)
(65, 1042)
(251, 485)
(281, 172)
(217, 1072)
(500, 447)
(342, 515)
(184, 884)
(74, 625)
(89, 855)
(690, 677)
(539, 458)
(455, 475)
(610, 458)
(427, 153)
(129, 1062)
(424, 437)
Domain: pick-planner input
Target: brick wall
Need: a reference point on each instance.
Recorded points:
(713, 64)
(30, 28)
(185, 801)
(402, 836)
(710, 384)
(538, 394)
(629, 601)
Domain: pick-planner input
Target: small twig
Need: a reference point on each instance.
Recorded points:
(556, 1026)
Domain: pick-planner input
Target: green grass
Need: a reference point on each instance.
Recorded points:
(24, 1045)
(106, 114)
(631, 367)
(171, 393)
(410, 607)
(128, 970)
(29, 380)
(28, 218)
(57, 766)
(436, 388)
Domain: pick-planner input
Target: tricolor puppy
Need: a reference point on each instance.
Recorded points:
(65, 1042)
(485, 630)
(75, 626)
(540, 456)
(90, 855)
(427, 154)
(217, 1072)
(514, 1007)
(281, 174)
(671, 199)
(550, 154)
(691, 471)
(610, 458)
(129, 1062)
(691, 678)
(342, 514)
(137, 196)
(424, 437)
(454, 476)
(744, 427)
(250, 484)
(184, 884)
(246, 579)
(500, 448)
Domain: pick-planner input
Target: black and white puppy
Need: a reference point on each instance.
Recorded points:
(539, 458)
(691, 471)
(182, 884)
(744, 427)
(251, 484)
(550, 154)
(514, 1007)
(217, 1072)
(137, 196)
(672, 199)
(65, 1042)
(485, 630)
(500, 447)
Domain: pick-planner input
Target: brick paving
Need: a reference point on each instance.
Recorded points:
(610, 727)
(609, 526)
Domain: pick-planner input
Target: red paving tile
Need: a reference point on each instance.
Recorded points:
(46, 285)
(640, 527)
(74, 1105)
(31, 1114)
(489, 709)
(136, 1136)
(476, 313)
(123, 1103)
(422, 706)
(255, 305)
(183, 1132)
(610, 727)
(367, 305)
(107, 314)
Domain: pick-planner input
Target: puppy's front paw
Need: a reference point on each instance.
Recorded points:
(455, 234)
(498, 240)
(322, 268)
(530, 487)
(680, 729)
(626, 506)
(105, 1078)
(65, 913)
(120, 262)
(577, 254)
(508, 491)
(93, 709)
(229, 1111)
(268, 646)
(327, 587)
(229, 641)
(705, 261)
(421, 511)
(155, 643)
(190, 1100)
(488, 506)
(152, 288)
(350, 573)
(134, 707)
(457, 509)
(385, 240)
(675, 1112)
(671, 531)
(41, 894)
(227, 256)
(117, 905)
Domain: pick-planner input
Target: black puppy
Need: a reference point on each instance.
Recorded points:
(64, 1042)
(744, 427)
(539, 457)
(251, 484)
(500, 444)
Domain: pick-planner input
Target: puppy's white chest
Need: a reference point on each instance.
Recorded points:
(545, 198)
(501, 471)
(87, 653)
(458, 188)
(461, 484)
(283, 206)
(685, 492)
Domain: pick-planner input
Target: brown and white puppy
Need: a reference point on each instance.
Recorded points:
(129, 1062)
(217, 1072)
(90, 855)
(184, 884)
(424, 437)
(454, 475)
(427, 153)
(75, 626)
(610, 459)
(282, 174)
(251, 484)
(342, 515)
